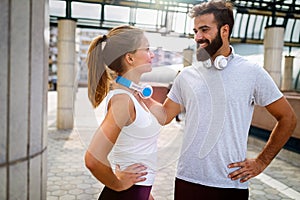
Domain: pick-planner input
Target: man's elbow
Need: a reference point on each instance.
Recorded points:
(293, 121)
(168, 121)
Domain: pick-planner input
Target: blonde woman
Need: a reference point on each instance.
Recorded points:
(122, 153)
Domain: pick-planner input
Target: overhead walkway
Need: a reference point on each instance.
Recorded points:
(253, 16)
(171, 17)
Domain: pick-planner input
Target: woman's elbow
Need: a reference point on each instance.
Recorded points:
(90, 162)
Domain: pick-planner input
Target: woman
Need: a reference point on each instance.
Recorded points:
(129, 132)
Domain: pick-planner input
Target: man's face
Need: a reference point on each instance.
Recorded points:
(207, 36)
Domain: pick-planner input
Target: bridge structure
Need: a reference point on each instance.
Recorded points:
(169, 17)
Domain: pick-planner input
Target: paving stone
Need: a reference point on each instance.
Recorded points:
(55, 178)
(83, 186)
(273, 197)
(59, 192)
(67, 197)
(258, 192)
(271, 191)
(86, 196)
(75, 191)
(92, 191)
(257, 187)
(68, 186)
(52, 198)
(52, 187)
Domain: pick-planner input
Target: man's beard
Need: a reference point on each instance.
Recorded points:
(208, 51)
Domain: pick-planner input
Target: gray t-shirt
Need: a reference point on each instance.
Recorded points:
(219, 105)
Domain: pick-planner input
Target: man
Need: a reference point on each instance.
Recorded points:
(218, 94)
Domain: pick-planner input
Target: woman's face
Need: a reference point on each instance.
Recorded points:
(142, 58)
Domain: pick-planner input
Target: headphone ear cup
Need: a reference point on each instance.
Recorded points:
(146, 92)
(220, 62)
(207, 63)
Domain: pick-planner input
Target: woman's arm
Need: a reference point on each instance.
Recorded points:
(165, 112)
(105, 137)
(103, 172)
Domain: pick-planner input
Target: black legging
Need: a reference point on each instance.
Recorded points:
(136, 192)
(185, 190)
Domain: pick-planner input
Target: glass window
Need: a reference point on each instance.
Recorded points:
(116, 13)
(236, 27)
(288, 29)
(146, 16)
(251, 26)
(179, 22)
(57, 8)
(86, 10)
(296, 35)
(257, 29)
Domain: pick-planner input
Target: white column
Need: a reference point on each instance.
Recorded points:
(23, 99)
(66, 73)
(287, 81)
(273, 48)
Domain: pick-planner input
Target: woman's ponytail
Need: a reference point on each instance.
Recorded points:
(98, 76)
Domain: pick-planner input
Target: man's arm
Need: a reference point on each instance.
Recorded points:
(286, 123)
(165, 112)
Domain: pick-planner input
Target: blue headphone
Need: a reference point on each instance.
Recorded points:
(145, 91)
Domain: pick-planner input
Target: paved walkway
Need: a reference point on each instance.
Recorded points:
(69, 179)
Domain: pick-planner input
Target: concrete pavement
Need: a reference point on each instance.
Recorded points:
(69, 179)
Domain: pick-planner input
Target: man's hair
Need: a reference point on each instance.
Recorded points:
(222, 11)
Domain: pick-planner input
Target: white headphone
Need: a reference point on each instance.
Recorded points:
(145, 91)
(220, 62)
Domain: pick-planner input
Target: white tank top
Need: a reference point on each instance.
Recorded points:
(137, 142)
